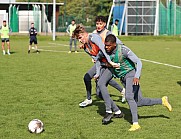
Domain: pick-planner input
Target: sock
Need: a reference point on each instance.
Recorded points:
(118, 112)
(109, 111)
(8, 51)
(4, 52)
(135, 123)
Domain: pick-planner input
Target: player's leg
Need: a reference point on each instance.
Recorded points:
(36, 45)
(8, 45)
(30, 45)
(3, 48)
(75, 45)
(114, 84)
(142, 101)
(109, 103)
(70, 43)
(128, 81)
(87, 81)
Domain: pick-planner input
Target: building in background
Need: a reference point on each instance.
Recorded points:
(20, 15)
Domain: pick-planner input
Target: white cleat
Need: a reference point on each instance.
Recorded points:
(85, 103)
(8, 53)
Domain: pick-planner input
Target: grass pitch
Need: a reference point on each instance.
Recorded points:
(49, 86)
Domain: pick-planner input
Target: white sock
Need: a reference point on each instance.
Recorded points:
(135, 123)
(4, 51)
(109, 111)
(8, 51)
(123, 91)
(118, 112)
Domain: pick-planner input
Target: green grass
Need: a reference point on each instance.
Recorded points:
(49, 86)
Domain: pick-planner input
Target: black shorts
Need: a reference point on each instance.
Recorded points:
(5, 39)
(33, 40)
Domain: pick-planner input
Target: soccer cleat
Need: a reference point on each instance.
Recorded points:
(8, 53)
(134, 127)
(37, 51)
(28, 51)
(107, 118)
(123, 100)
(76, 52)
(121, 115)
(69, 52)
(85, 103)
(166, 103)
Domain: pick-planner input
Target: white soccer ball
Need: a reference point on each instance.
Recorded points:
(35, 126)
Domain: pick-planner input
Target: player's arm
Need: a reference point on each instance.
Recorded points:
(68, 29)
(98, 41)
(35, 31)
(129, 54)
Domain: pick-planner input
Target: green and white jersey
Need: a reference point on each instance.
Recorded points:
(128, 61)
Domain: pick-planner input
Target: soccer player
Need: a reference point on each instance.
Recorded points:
(129, 74)
(114, 28)
(33, 38)
(103, 32)
(92, 45)
(70, 30)
(5, 30)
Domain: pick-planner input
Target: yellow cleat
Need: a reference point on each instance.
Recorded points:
(135, 127)
(69, 52)
(76, 52)
(166, 103)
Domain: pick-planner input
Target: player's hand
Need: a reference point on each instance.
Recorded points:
(81, 46)
(96, 77)
(93, 60)
(136, 81)
(115, 65)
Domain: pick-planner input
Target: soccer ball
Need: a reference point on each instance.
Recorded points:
(35, 126)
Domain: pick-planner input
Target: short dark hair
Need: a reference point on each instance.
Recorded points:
(117, 20)
(4, 20)
(32, 23)
(100, 18)
(73, 20)
(110, 38)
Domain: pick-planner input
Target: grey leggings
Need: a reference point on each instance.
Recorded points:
(134, 96)
(102, 90)
(75, 45)
(87, 80)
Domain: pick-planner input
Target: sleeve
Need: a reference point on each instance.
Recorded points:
(35, 31)
(129, 54)
(98, 41)
(67, 30)
(10, 30)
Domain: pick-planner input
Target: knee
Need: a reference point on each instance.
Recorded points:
(87, 77)
(101, 85)
(129, 97)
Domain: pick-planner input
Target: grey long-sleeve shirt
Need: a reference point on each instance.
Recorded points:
(129, 54)
(96, 39)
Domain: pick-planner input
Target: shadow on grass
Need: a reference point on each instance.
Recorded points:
(179, 83)
(154, 116)
(12, 52)
(102, 112)
(126, 111)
